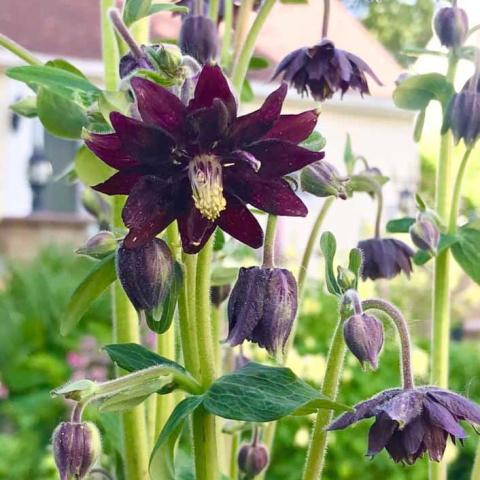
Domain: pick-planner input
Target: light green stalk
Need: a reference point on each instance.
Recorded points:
(18, 50)
(227, 34)
(476, 465)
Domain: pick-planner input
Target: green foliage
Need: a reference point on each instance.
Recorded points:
(467, 251)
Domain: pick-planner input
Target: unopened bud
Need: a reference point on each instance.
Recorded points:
(451, 26)
(98, 246)
(425, 234)
(252, 458)
(76, 448)
(199, 38)
(346, 278)
(145, 273)
(364, 337)
(322, 179)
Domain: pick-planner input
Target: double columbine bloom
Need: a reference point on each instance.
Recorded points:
(412, 422)
(200, 164)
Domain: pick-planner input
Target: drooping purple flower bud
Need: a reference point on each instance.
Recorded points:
(76, 448)
(145, 273)
(322, 70)
(219, 293)
(425, 234)
(129, 63)
(262, 307)
(252, 458)
(463, 114)
(451, 26)
(99, 246)
(363, 335)
(322, 179)
(385, 258)
(199, 38)
(413, 422)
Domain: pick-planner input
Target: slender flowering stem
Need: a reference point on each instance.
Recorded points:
(124, 33)
(326, 17)
(403, 333)
(213, 10)
(18, 50)
(378, 218)
(441, 283)
(241, 27)
(233, 455)
(198, 7)
(269, 242)
(227, 33)
(352, 295)
(241, 67)
(476, 465)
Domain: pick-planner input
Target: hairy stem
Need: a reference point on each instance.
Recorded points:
(269, 242)
(124, 33)
(326, 17)
(403, 333)
(18, 50)
(241, 66)
(378, 218)
(441, 283)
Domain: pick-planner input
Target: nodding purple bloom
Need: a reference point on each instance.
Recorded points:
(252, 459)
(385, 258)
(451, 26)
(425, 234)
(322, 179)
(262, 307)
(410, 423)
(363, 335)
(76, 448)
(145, 273)
(129, 62)
(199, 38)
(201, 164)
(323, 70)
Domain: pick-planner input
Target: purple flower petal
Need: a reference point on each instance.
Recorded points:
(459, 406)
(405, 407)
(108, 147)
(279, 158)
(294, 128)
(439, 416)
(272, 195)
(435, 441)
(255, 125)
(380, 433)
(412, 437)
(194, 229)
(396, 448)
(121, 183)
(240, 223)
(212, 84)
(158, 106)
(147, 144)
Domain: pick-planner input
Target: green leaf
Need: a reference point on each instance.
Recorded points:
(113, 102)
(101, 276)
(89, 168)
(247, 94)
(162, 458)
(160, 319)
(400, 225)
(219, 240)
(60, 116)
(348, 155)
(315, 142)
(416, 92)
(419, 123)
(62, 81)
(467, 251)
(67, 66)
(446, 241)
(132, 357)
(260, 393)
(328, 244)
(223, 275)
(355, 260)
(258, 63)
(134, 10)
(26, 107)
(167, 7)
(366, 183)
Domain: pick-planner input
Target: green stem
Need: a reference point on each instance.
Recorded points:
(227, 34)
(441, 283)
(241, 66)
(269, 242)
(457, 190)
(213, 10)
(476, 465)
(233, 456)
(326, 17)
(241, 26)
(18, 50)
(333, 369)
(378, 218)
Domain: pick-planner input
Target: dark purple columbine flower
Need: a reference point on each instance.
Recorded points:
(199, 38)
(190, 4)
(201, 164)
(76, 448)
(363, 335)
(262, 307)
(385, 258)
(451, 26)
(252, 459)
(323, 70)
(410, 423)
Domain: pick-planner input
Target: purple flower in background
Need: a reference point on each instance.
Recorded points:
(385, 258)
(323, 70)
(410, 423)
(262, 307)
(451, 26)
(199, 38)
(201, 164)
(88, 361)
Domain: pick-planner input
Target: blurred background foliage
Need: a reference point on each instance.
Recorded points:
(34, 358)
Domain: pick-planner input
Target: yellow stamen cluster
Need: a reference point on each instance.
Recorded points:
(205, 174)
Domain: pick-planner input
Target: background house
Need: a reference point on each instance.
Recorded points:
(379, 131)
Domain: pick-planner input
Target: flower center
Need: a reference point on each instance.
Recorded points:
(205, 174)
